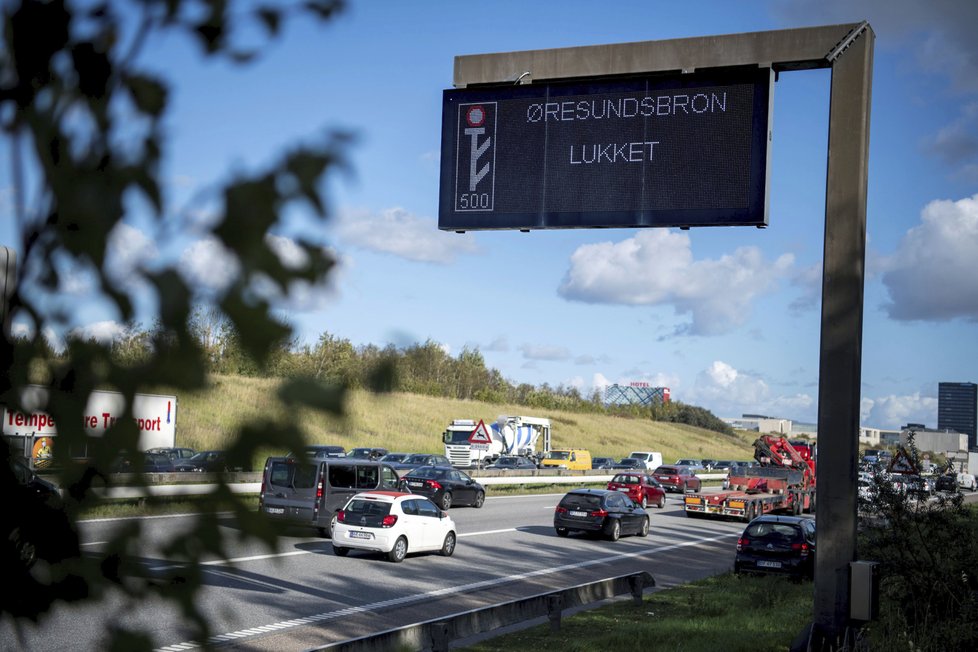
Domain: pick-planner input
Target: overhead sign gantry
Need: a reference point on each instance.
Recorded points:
(578, 74)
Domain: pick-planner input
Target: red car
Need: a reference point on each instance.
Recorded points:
(641, 488)
(677, 478)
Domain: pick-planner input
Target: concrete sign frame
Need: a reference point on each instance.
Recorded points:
(848, 51)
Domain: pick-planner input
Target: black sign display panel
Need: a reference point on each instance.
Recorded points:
(684, 150)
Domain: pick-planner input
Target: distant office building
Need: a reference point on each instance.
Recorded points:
(957, 409)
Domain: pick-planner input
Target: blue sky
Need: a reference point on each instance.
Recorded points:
(728, 318)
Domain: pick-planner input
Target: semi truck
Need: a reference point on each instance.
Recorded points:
(34, 431)
(470, 443)
(782, 481)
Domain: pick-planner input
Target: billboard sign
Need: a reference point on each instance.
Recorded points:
(653, 151)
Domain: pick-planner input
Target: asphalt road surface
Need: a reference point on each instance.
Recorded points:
(302, 596)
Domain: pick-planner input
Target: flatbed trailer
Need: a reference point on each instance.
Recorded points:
(785, 482)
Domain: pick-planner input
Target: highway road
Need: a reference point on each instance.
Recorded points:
(301, 595)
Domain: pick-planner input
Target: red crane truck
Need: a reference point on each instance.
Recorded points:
(783, 481)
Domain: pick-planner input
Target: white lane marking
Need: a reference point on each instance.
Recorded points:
(150, 518)
(475, 534)
(92, 543)
(418, 597)
(224, 562)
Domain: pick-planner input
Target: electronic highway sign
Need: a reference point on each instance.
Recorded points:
(655, 151)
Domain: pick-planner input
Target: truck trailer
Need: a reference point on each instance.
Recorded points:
(782, 481)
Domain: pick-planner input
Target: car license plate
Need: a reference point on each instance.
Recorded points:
(361, 535)
(275, 510)
(415, 484)
(768, 564)
(578, 514)
(623, 489)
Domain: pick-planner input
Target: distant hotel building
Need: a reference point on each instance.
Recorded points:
(637, 393)
(957, 408)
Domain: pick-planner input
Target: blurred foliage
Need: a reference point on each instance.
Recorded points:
(83, 120)
(929, 572)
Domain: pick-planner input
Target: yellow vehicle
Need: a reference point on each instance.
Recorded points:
(575, 459)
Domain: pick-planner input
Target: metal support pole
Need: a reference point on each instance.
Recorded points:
(840, 361)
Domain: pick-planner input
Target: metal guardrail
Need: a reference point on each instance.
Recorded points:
(436, 634)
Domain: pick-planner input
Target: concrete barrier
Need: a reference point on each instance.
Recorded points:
(436, 634)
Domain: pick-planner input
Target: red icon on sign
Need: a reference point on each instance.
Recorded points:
(475, 116)
(480, 435)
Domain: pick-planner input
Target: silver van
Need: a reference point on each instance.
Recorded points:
(309, 492)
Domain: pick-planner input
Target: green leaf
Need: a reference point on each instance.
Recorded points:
(271, 18)
(149, 94)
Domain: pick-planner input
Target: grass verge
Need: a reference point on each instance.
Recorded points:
(726, 612)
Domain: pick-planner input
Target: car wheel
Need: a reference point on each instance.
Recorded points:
(562, 532)
(480, 499)
(446, 500)
(645, 502)
(340, 552)
(661, 503)
(399, 551)
(685, 488)
(644, 532)
(448, 547)
(614, 532)
(332, 526)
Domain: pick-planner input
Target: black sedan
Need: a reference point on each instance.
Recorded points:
(777, 544)
(630, 464)
(600, 511)
(414, 460)
(602, 463)
(513, 462)
(208, 462)
(445, 486)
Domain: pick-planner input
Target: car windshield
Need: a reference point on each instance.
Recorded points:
(626, 479)
(415, 459)
(630, 461)
(506, 461)
(362, 507)
(666, 470)
(558, 455)
(393, 457)
(199, 457)
(773, 530)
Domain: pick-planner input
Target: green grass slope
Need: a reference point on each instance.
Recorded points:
(413, 422)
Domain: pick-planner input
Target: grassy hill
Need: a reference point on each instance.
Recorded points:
(412, 422)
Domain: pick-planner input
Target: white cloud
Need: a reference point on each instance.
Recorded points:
(656, 267)
(498, 345)
(102, 331)
(290, 254)
(728, 392)
(128, 250)
(545, 352)
(395, 231)
(893, 412)
(600, 382)
(209, 265)
(931, 277)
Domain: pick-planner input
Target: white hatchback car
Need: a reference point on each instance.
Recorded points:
(393, 523)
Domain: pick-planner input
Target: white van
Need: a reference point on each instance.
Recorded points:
(652, 460)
